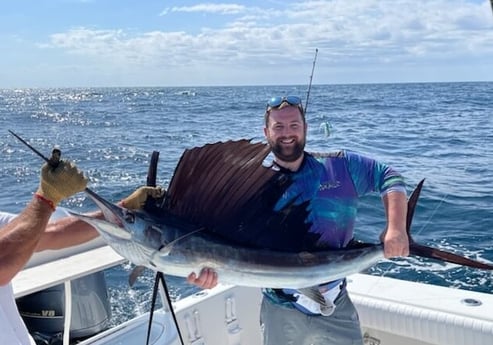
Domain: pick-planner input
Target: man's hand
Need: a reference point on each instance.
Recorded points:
(137, 199)
(395, 243)
(206, 280)
(60, 183)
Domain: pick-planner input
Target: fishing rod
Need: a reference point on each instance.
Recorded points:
(311, 78)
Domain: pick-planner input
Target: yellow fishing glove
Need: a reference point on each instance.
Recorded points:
(137, 199)
(60, 183)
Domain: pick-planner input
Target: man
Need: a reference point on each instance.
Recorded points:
(30, 232)
(333, 184)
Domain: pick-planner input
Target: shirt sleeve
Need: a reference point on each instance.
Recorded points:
(369, 175)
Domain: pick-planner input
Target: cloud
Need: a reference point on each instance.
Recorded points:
(349, 34)
(207, 8)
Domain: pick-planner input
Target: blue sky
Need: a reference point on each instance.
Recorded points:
(70, 43)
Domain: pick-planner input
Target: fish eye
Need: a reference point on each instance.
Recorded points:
(129, 217)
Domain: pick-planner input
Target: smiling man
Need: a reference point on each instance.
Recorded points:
(332, 184)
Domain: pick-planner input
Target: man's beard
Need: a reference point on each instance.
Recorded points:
(287, 154)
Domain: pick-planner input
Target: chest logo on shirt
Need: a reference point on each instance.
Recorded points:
(329, 185)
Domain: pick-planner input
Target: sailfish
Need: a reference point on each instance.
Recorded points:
(221, 199)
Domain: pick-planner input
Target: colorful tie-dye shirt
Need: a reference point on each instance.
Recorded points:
(333, 183)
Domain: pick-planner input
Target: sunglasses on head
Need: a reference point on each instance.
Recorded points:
(274, 102)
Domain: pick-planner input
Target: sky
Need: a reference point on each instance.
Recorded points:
(87, 43)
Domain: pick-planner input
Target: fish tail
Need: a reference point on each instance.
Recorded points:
(434, 253)
(411, 207)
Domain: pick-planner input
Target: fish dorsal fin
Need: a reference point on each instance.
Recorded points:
(211, 184)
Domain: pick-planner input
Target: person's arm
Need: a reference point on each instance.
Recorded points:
(395, 239)
(66, 232)
(19, 238)
(369, 175)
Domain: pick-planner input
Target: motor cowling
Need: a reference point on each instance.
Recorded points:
(43, 312)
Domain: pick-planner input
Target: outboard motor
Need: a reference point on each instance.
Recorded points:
(43, 312)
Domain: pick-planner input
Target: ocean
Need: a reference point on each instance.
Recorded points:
(442, 132)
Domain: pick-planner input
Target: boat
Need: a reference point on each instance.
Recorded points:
(391, 311)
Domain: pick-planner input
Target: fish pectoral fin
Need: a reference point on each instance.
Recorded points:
(136, 272)
(314, 294)
(166, 248)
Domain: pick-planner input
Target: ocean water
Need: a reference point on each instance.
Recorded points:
(442, 132)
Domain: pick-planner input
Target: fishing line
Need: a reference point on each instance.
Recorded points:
(445, 195)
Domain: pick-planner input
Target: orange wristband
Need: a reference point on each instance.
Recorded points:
(42, 198)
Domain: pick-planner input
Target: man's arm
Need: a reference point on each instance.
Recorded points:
(19, 238)
(370, 175)
(395, 239)
(67, 232)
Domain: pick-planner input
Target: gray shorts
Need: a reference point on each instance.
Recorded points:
(288, 326)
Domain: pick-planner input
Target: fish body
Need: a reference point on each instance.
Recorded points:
(149, 241)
